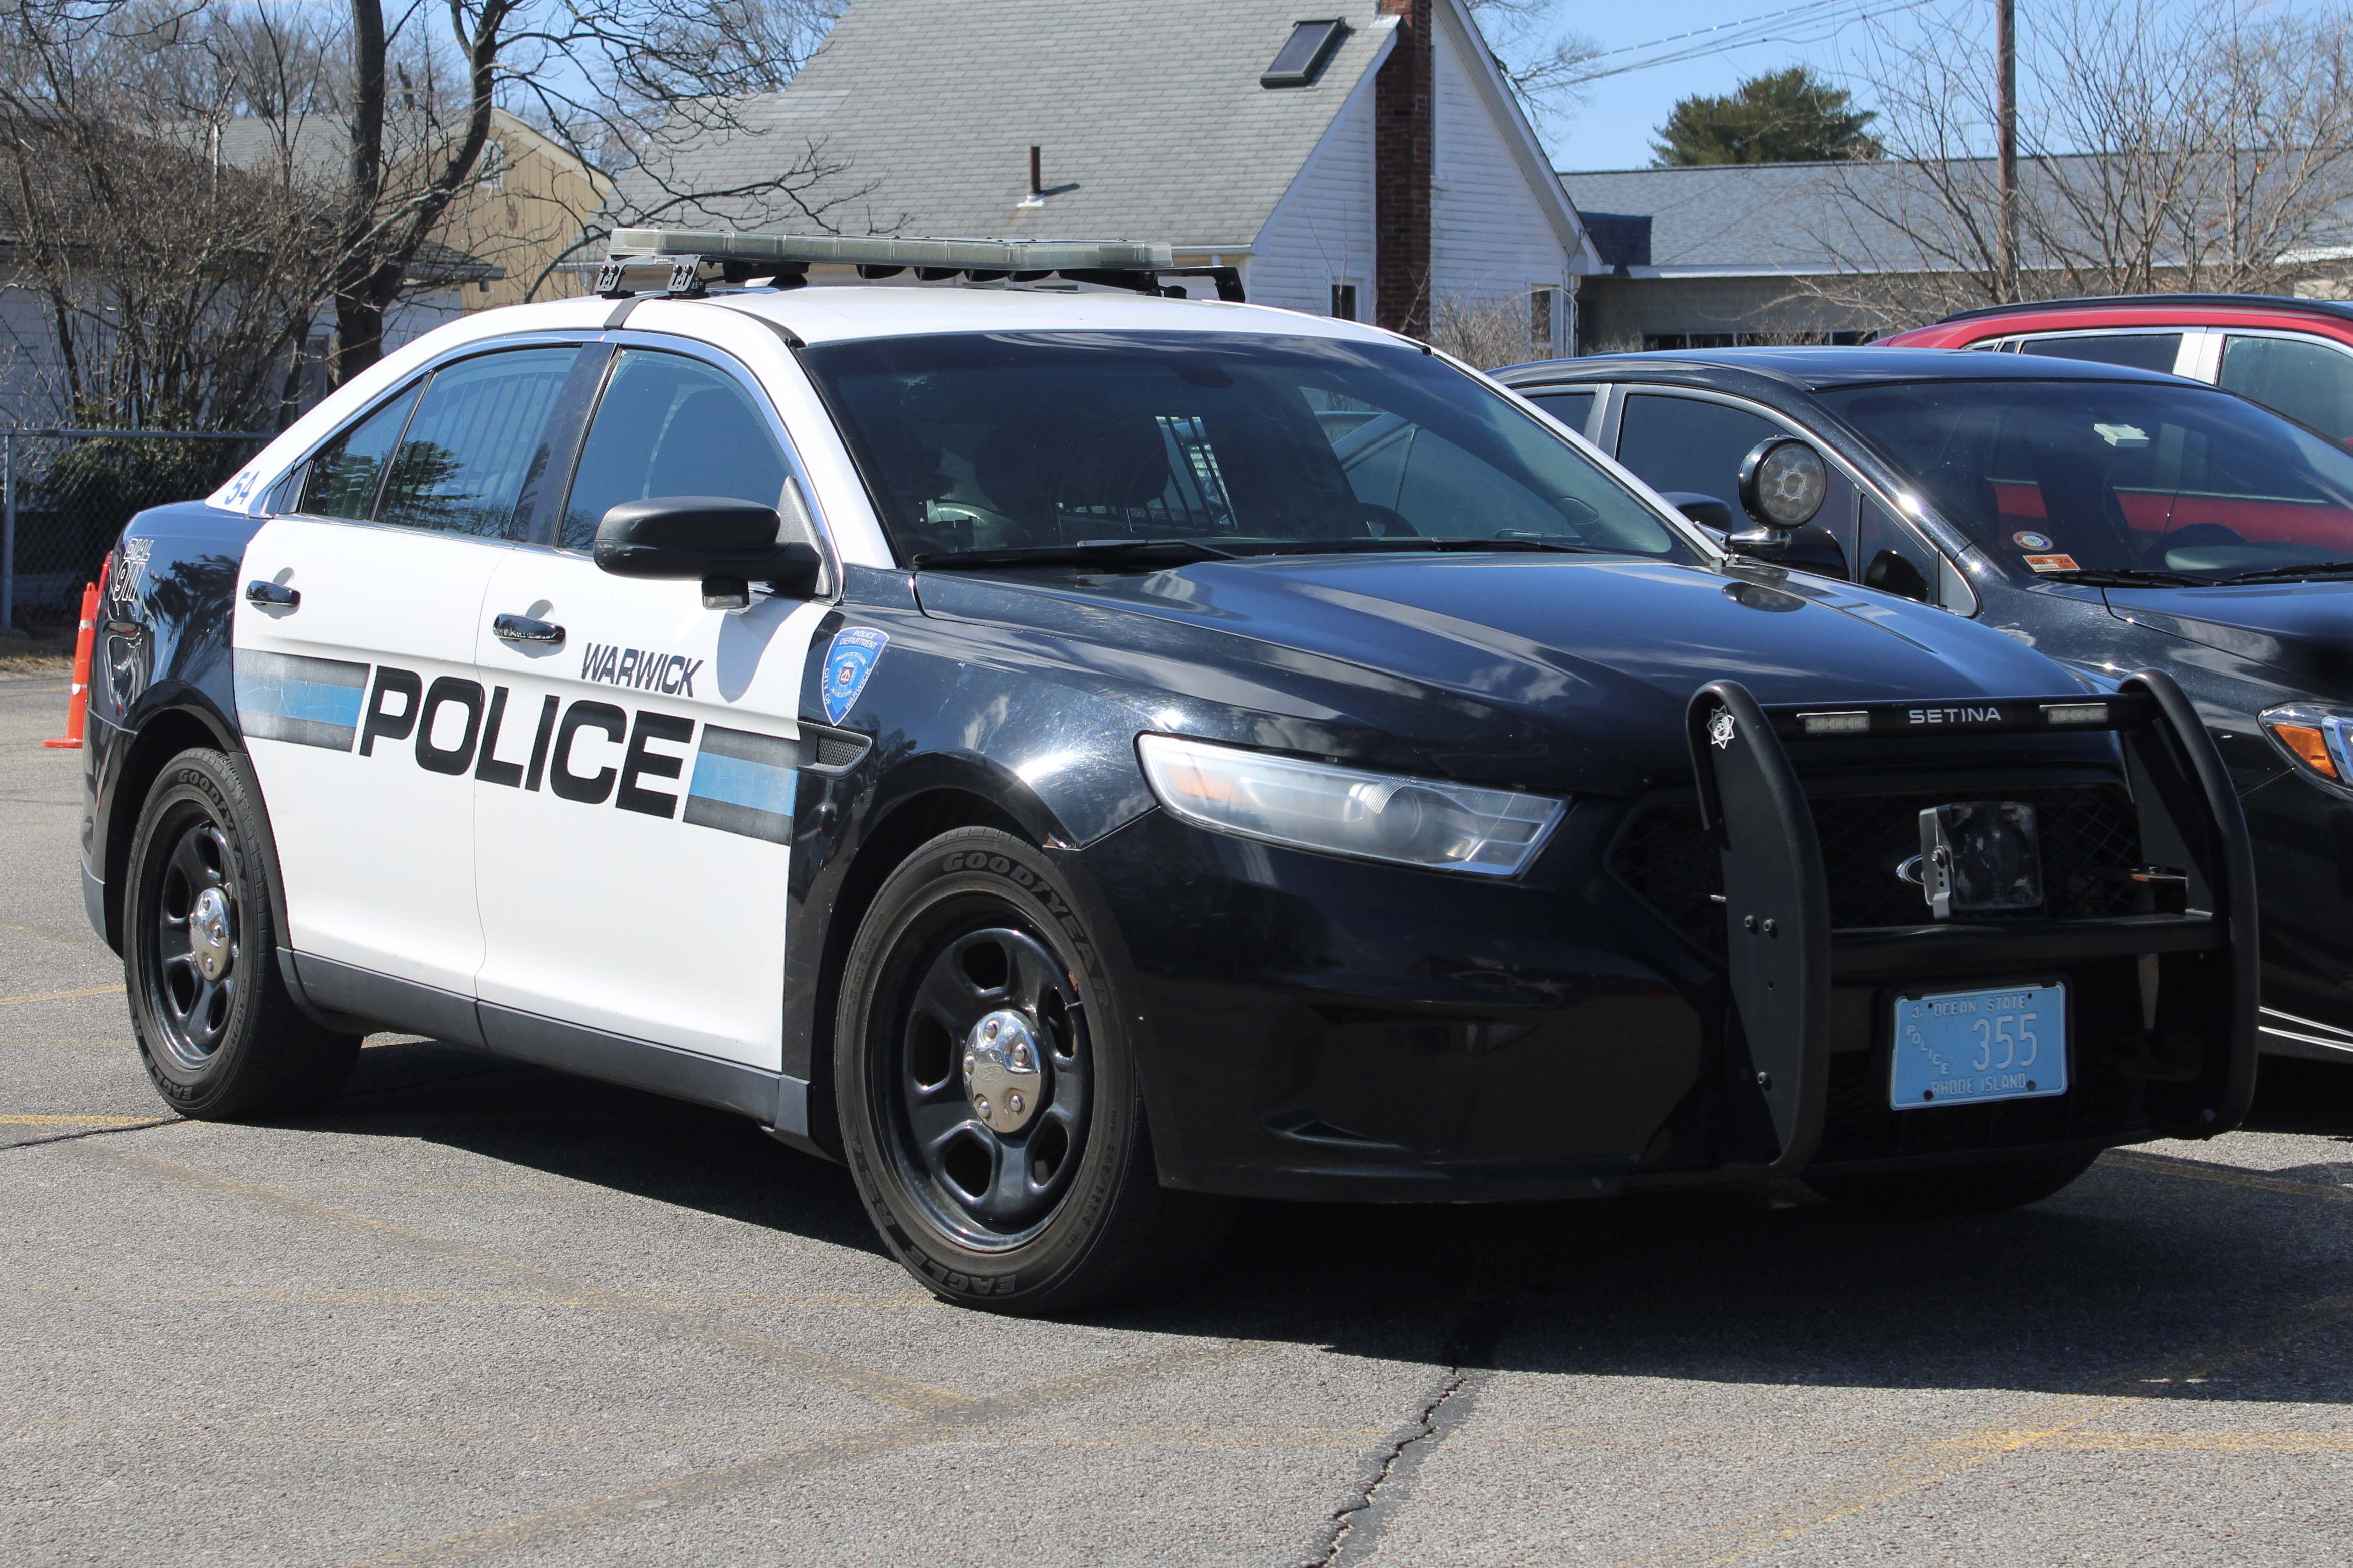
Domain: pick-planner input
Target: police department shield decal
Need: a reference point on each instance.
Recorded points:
(848, 662)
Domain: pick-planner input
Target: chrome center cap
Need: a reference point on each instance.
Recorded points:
(1003, 1071)
(209, 937)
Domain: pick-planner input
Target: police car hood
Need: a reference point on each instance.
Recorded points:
(1566, 673)
(2301, 631)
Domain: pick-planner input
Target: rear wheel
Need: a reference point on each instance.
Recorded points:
(220, 1035)
(1954, 1189)
(990, 1109)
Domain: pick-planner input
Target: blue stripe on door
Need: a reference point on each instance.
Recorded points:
(310, 701)
(743, 783)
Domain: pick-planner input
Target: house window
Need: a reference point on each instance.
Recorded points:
(1540, 317)
(1344, 301)
(1303, 55)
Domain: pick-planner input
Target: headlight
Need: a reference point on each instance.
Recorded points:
(2320, 739)
(1344, 811)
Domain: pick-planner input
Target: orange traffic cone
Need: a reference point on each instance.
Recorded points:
(77, 704)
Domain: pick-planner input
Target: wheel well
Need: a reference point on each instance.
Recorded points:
(160, 739)
(909, 825)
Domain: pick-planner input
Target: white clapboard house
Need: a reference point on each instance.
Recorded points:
(1363, 158)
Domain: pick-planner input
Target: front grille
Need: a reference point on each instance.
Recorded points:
(2090, 838)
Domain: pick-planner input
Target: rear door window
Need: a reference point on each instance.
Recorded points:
(2311, 383)
(2139, 351)
(462, 462)
(1571, 408)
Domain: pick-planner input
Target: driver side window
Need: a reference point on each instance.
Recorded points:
(670, 425)
(1683, 447)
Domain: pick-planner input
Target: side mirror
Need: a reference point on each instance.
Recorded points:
(1706, 511)
(727, 544)
(1783, 482)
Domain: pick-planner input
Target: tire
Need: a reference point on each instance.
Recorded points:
(221, 1037)
(991, 1111)
(1954, 1189)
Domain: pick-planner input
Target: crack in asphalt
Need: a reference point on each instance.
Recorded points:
(92, 1133)
(1470, 1355)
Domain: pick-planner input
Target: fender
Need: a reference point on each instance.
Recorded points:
(162, 659)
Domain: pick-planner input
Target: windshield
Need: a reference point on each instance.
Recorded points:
(2108, 476)
(1045, 441)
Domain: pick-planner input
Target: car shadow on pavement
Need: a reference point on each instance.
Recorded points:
(1752, 1285)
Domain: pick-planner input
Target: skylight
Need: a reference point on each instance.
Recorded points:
(1304, 53)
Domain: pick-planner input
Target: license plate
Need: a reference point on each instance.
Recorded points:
(1970, 1048)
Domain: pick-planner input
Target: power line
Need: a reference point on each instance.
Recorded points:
(1824, 22)
(1720, 27)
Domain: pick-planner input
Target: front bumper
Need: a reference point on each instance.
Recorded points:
(1317, 1028)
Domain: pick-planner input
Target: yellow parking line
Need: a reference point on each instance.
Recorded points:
(2185, 1442)
(2062, 1421)
(65, 996)
(80, 1121)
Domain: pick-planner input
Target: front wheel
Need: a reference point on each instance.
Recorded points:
(219, 1032)
(1954, 1189)
(990, 1109)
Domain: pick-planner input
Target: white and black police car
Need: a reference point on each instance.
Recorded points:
(1078, 756)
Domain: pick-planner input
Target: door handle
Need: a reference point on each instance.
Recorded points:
(277, 595)
(523, 630)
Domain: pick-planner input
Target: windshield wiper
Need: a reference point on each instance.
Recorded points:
(1107, 552)
(1412, 543)
(2125, 577)
(2290, 574)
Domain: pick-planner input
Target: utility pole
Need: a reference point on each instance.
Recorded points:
(2006, 51)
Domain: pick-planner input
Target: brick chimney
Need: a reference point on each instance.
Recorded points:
(1403, 114)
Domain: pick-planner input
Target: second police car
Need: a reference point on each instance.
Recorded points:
(1079, 758)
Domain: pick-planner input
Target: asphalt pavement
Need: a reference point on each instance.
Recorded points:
(485, 1313)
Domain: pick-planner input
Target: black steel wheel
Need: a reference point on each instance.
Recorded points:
(989, 1107)
(988, 1093)
(190, 940)
(219, 1034)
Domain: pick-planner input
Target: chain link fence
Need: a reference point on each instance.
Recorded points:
(66, 494)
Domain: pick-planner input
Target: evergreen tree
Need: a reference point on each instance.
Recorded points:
(1783, 117)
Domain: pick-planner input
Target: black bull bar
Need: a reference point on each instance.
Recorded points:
(1784, 958)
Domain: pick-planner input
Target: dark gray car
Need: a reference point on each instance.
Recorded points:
(2114, 519)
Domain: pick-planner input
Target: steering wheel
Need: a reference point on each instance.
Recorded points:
(1388, 522)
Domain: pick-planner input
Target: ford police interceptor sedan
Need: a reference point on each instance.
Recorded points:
(1079, 757)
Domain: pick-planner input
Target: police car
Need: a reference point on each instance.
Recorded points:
(1080, 756)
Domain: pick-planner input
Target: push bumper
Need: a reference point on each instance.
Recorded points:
(1317, 1029)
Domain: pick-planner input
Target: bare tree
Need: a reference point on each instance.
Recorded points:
(150, 285)
(408, 94)
(1484, 330)
(615, 79)
(2159, 148)
(1547, 63)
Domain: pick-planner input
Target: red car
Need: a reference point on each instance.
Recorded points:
(2292, 355)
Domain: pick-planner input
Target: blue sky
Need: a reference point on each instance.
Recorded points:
(1622, 112)
(1614, 129)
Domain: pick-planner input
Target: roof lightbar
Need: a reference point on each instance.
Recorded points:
(684, 253)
